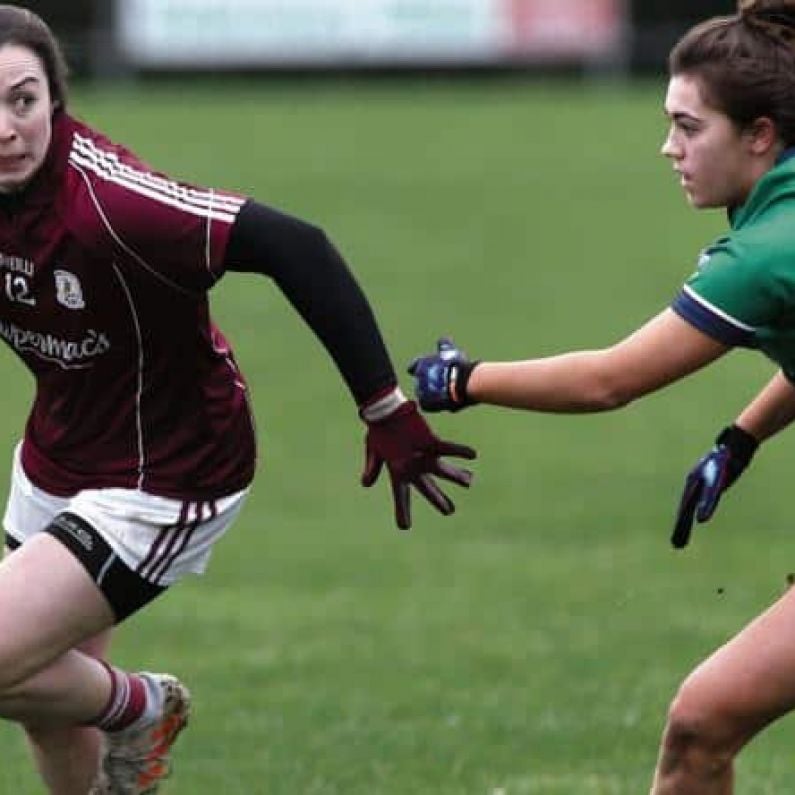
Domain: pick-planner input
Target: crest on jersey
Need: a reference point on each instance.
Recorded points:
(68, 291)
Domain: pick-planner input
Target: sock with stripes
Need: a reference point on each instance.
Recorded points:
(132, 700)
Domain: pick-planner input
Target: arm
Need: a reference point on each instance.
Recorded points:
(664, 350)
(315, 279)
(768, 413)
(772, 410)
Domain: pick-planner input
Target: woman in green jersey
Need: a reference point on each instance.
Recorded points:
(731, 107)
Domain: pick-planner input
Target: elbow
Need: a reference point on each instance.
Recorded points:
(605, 399)
(609, 383)
(610, 400)
(608, 392)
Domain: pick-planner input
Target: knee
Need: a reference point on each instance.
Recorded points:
(698, 737)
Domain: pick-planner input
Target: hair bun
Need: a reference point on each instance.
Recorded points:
(773, 17)
(784, 8)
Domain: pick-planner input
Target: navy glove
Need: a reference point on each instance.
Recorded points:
(712, 475)
(440, 379)
(412, 454)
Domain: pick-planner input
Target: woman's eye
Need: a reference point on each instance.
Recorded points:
(24, 102)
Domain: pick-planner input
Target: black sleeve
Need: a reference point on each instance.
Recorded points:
(315, 279)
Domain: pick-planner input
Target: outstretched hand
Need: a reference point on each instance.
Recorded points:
(412, 454)
(440, 379)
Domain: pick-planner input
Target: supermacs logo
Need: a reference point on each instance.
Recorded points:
(68, 354)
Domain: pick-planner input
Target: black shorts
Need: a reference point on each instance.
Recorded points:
(125, 590)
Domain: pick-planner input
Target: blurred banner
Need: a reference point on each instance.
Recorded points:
(187, 34)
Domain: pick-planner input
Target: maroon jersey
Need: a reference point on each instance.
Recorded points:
(105, 268)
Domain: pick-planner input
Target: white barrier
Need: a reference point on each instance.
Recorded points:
(249, 33)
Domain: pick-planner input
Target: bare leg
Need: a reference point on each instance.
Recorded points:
(68, 757)
(45, 682)
(744, 686)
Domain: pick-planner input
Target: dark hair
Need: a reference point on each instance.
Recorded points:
(745, 63)
(22, 27)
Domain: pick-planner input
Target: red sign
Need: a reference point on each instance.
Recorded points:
(559, 27)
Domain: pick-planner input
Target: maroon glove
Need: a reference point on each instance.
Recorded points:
(411, 451)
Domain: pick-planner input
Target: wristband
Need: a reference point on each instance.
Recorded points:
(381, 407)
(460, 375)
(739, 441)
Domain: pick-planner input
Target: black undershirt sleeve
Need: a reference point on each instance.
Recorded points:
(315, 279)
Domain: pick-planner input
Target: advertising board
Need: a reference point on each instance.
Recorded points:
(251, 33)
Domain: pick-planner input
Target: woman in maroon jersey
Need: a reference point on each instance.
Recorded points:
(139, 447)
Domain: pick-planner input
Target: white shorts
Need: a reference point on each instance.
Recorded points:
(159, 539)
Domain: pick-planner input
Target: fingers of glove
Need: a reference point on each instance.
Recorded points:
(709, 501)
(430, 383)
(430, 403)
(686, 512)
(372, 468)
(714, 475)
(456, 450)
(448, 352)
(457, 475)
(402, 498)
(420, 366)
(682, 530)
(425, 485)
(444, 344)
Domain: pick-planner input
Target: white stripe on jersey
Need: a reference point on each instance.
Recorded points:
(208, 259)
(204, 203)
(691, 293)
(112, 162)
(137, 257)
(149, 192)
(139, 388)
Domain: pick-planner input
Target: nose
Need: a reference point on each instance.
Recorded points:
(8, 130)
(670, 147)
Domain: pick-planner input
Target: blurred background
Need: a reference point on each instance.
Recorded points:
(108, 37)
(490, 169)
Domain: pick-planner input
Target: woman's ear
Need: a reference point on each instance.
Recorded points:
(762, 135)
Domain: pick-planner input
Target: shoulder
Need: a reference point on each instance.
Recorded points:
(92, 166)
(770, 209)
(766, 245)
(742, 279)
(744, 259)
(118, 194)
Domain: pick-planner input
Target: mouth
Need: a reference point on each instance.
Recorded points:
(12, 161)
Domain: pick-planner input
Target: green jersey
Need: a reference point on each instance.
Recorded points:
(743, 293)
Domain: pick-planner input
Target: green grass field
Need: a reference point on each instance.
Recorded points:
(530, 644)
